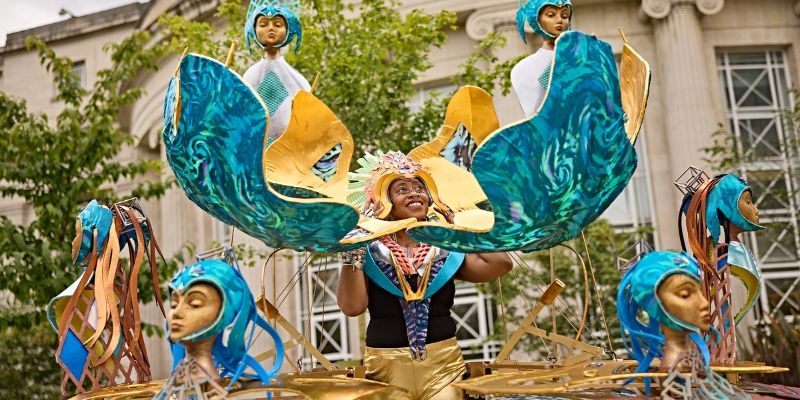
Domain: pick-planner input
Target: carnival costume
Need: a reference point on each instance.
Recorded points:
(275, 81)
(713, 203)
(528, 186)
(427, 358)
(234, 326)
(531, 76)
(100, 340)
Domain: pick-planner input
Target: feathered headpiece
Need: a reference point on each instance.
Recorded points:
(529, 12)
(288, 9)
(235, 323)
(370, 183)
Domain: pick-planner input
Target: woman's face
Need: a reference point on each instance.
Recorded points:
(193, 310)
(271, 31)
(554, 20)
(683, 297)
(409, 199)
(746, 207)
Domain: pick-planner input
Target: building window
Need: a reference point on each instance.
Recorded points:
(473, 313)
(329, 326)
(755, 91)
(79, 70)
(631, 209)
(425, 94)
(220, 232)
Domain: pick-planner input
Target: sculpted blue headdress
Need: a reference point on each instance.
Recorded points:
(723, 203)
(529, 12)
(637, 291)
(93, 216)
(288, 9)
(235, 323)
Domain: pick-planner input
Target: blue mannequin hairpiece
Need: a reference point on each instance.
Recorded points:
(288, 9)
(235, 324)
(529, 12)
(637, 291)
(723, 201)
(93, 216)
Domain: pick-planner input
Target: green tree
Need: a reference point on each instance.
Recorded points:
(597, 248)
(57, 166)
(368, 57)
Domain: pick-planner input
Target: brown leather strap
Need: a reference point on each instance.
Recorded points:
(66, 317)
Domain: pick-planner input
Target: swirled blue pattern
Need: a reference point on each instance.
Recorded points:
(550, 176)
(216, 155)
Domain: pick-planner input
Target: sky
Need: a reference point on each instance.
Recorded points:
(18, 15)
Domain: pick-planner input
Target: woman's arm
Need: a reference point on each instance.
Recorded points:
(351, 294)
(484, 267)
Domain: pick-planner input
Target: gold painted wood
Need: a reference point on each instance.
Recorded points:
(313, 130)
(548, 297)
(634, 82)
(473, 108)
(297, 338)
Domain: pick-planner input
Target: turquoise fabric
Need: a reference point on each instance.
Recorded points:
(723, 199)
(216, 155)
(550, 176)
(272, 91)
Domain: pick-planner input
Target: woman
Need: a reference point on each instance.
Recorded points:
(409, 287)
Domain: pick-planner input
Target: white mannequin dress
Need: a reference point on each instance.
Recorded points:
(276, 82)
(530, 78)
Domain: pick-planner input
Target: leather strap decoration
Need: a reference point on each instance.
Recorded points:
(99, 323)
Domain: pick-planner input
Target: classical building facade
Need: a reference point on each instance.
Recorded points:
(728, 62)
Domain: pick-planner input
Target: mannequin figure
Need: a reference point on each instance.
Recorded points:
(211, 325)
(667, 286)
(273, 24)
(720, 205)
(530, 77)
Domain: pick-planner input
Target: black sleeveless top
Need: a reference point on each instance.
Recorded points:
(387, 327)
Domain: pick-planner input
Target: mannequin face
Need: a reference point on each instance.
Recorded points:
(271, 31)
(409, 199)
(193, 310)
(555, 20)
(683, 297)
(746, 207)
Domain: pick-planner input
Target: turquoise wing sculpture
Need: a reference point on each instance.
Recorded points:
(549, 176)
(215, 129)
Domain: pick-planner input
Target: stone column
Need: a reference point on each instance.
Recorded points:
(687, 95)
(501, 19)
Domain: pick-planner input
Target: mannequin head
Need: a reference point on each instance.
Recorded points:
(547, 18)
(280, 17)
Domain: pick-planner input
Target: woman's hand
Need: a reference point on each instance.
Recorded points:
(448, 214)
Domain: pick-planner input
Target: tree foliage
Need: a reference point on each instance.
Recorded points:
(531, 275)
(368, 57)
(56, 167)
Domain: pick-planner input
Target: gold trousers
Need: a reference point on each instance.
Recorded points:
(428, 379)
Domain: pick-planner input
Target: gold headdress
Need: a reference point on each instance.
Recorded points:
(369, 185)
